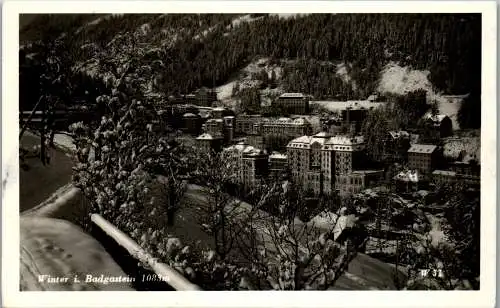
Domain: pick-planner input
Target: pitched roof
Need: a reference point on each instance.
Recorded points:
(322, 138)
(278, 156)
(437, 118)
(399, 134)
(408, 176)
(422, 148)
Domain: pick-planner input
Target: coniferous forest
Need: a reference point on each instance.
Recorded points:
(207, 49)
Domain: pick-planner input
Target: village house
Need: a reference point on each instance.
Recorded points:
(409, 181)
(441, 123)
(423, 157)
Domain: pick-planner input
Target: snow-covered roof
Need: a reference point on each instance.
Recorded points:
(283, 119)
(408, 176)
(323, 135)
(244, 149)
(344, 105)
(206, 137)
(399, 134)
(277, 156)
(366, 172)
(422, 148)
(444, 172)
(437, 118)
(214, 121)
(292, 95)
(323, 139)
(300, 121)
(345, 140)
(331, 221)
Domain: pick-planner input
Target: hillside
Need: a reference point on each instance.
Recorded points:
(331, 56)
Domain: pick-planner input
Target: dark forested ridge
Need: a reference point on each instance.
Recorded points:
(207, 49)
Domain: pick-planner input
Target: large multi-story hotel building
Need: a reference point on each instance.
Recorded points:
(293, 103)
(251, 163)
(286, 127)
(326, 164)
(245, 124)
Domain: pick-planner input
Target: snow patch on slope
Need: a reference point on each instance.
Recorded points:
(245, 18)
(245, 78)
(344, 75)
(400, 80)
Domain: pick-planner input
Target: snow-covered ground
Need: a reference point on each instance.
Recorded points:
(436, 233)
(401, 80)
(245, 18)
(245, 80)
(471, 146)
(65, 142)
(342, 73)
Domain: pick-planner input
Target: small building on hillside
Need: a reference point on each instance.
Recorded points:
(441, 123)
